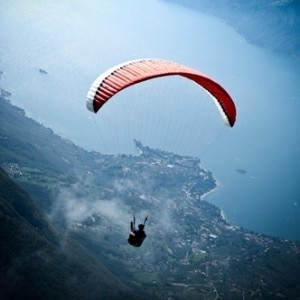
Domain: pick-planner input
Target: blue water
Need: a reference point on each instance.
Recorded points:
(75, 41)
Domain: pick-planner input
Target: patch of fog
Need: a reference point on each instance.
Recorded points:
(73, 206)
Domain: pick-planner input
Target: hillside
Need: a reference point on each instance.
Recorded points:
(37, 158)
(38, 262)
(273, 24)
(190, 252)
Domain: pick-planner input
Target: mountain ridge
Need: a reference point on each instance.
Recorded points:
(273, 24)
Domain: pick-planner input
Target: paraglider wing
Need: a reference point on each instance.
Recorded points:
(129, 73)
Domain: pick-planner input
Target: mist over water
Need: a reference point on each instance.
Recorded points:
(76, 41)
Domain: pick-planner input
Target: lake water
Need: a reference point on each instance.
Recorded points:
(74, 41)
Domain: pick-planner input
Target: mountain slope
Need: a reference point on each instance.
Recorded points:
(190, 252)
(38, 262)
(273, 24)
(36, 158)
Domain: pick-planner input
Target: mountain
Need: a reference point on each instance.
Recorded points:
(38, 262)
(191, 251)
(273, 24)
(37, 158)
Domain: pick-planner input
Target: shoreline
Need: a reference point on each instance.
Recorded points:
(207, 194)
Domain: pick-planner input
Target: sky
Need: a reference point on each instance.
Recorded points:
(75, 41)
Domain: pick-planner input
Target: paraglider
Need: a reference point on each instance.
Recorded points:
(126, 74)
(129, 73)
(137, 236)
